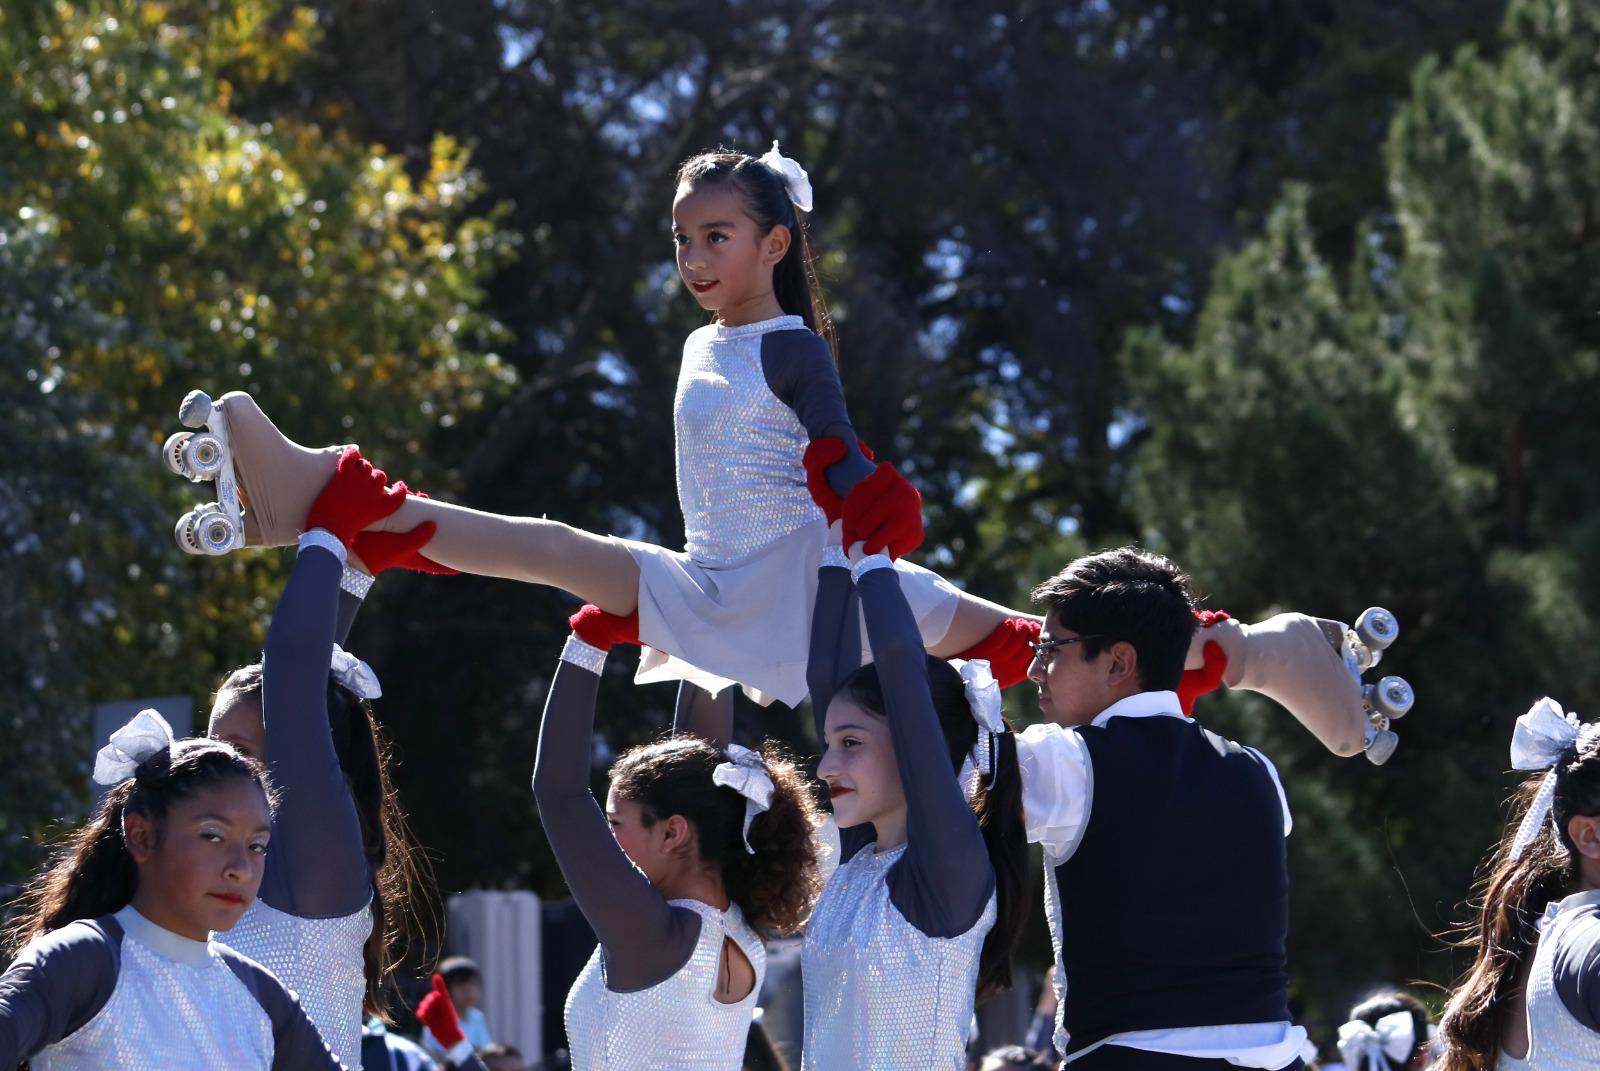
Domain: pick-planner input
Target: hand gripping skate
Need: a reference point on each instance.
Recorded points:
(1312, 667)
(265, 482)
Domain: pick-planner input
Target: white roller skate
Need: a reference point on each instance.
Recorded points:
(265, 481)
(1312, 667)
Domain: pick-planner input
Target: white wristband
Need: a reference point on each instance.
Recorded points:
(583, 655)
(834, 558)
(868, 564)
(459, 1053)
(321, 537)
(355, 581)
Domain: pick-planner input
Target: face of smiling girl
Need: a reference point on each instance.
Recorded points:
(723, 258)
(859, 767)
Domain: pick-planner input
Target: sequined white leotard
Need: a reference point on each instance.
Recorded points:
(1563, 990)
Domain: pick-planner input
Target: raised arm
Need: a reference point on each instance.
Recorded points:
(799, 370)
(835, 632)
(644, 939)
(699, 713)
(945, 880)
(57, 984)
(318, 866)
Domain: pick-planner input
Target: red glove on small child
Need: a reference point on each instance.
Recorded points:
(438, 1014)
(1007, 650)
(599, 629)
(1208, 678)
(355, 496)
(820, 456)
(400, 550)
(884, 512)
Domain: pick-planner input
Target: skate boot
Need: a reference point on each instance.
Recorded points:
(265, 482)
(1312, 667)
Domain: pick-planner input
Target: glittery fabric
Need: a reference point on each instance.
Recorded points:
(583, 655)
(879, 993)
(355, 582)
(319, 960)
(675, 1025)
(168, 1015)
(740, 480)
(1557, 1040)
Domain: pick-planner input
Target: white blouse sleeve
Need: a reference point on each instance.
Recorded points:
(1057, 786)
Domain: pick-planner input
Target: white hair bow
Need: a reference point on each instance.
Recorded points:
(795, 179)
(1363, 1047)
(146, 733)
(354, 674)
(983, 695)
(1542, 736)
(746, 773)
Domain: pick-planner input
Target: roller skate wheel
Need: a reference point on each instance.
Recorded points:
(1380, 746)
(172, 451)
(1392, 697)
(204, 456)
(195, 410)
(1377, 628)
(206, 530)
(184, 533)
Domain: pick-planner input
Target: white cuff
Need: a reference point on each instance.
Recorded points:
(868, 564)
(459, 1053)
(321, 537)
(355, 581)
(834, 558)
(584, 655)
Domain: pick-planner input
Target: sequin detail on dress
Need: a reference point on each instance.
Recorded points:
(879, 993)
(321, 961)
(741, 484)
(675, 1025)
(1557, 1041)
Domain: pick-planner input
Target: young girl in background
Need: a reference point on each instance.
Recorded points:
(1386, 1032)
(702, 847)
(1532, 996)
(755, 387)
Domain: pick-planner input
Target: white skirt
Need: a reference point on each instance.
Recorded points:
(750, 623)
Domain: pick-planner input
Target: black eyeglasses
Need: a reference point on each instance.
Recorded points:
(1044, 649)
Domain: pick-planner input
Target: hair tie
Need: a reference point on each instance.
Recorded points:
(1363, 1046)
(794, 177)
(746, 773)
(354, 674)
(983, 696)
(145, 734)
(1542, 737)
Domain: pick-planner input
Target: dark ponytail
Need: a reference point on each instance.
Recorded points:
(397, 868)
(1514, 894)
(91, 873)
(997, 802)
(776, 882)
(766, 200)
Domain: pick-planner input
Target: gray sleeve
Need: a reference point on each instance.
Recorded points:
(296, 1045)
(57, 983)
(644, 939)
(945, 879)
(349, 606)
(835, 640)
(799, 370)
(1576, 970)
(699, 713)
(317, 865)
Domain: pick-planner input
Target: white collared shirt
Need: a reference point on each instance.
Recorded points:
(1057, 794)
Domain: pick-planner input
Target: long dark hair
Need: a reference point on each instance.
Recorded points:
(766, 200)
(776, 882)
(91, 873)
(397, 867)
(1514, 894)
(997, 802)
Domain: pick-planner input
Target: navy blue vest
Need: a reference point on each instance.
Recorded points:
(1174, 908)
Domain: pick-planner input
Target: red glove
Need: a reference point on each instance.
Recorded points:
(438, 1014)
(400, 550)
(885, 512)
(819, 457)
(355, 496)
(1199, 682)
(599, 629)
(1007, 650)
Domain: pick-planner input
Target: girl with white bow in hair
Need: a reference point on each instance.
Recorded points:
(116, 962)
(1386, 1032)
(766, 457)
(916, 925)
(334, 898)
(702, 847)
(1532, 996)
